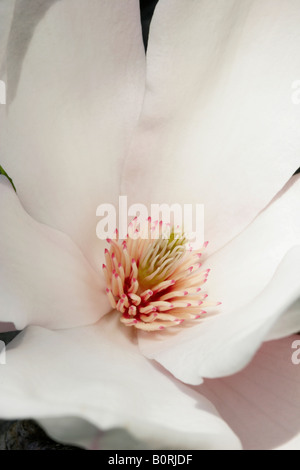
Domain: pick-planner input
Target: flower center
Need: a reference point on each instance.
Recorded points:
(153, 281)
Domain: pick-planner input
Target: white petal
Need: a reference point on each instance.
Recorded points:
(253, 297)
(83, 434)
(293, 444)
(98, 373)
(288, 323)
(44, 277)
(75, 82)
(261, 403)
(69, 430)
(245, 266)
(218, 124)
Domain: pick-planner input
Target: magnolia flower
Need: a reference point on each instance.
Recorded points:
(208, 118)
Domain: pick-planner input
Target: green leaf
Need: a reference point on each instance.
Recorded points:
(3, 172)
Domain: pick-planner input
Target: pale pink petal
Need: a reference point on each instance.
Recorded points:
(98, 373)
(256, 276)
(261, 403)
(75, 82)
(44, 278)
(6, 15)
(218, 124)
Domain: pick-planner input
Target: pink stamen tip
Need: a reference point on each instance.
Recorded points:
(205, 280)
(119, 265)
(208, 270)
(133, 260)
(171, 306)
(134, 279)
(181, 321)
(123, 296)
(188, 305)
(161, 222)
(173, 281)
(161, 327)
(219, 303)
(190, 269)
(197, 316)
(203, 311)
(124, 246)
(113, 255)
(149, 219)
(200, 302)
(106, 251)
(107, 291)
(199, 255)
(154, 309)
(205, 244)
(206, 295)
(108, 240)
(103, 266)
(121, 301)
(135, 321)
(199, 289)
(116, 275)
(155, 315)
(185, 292)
